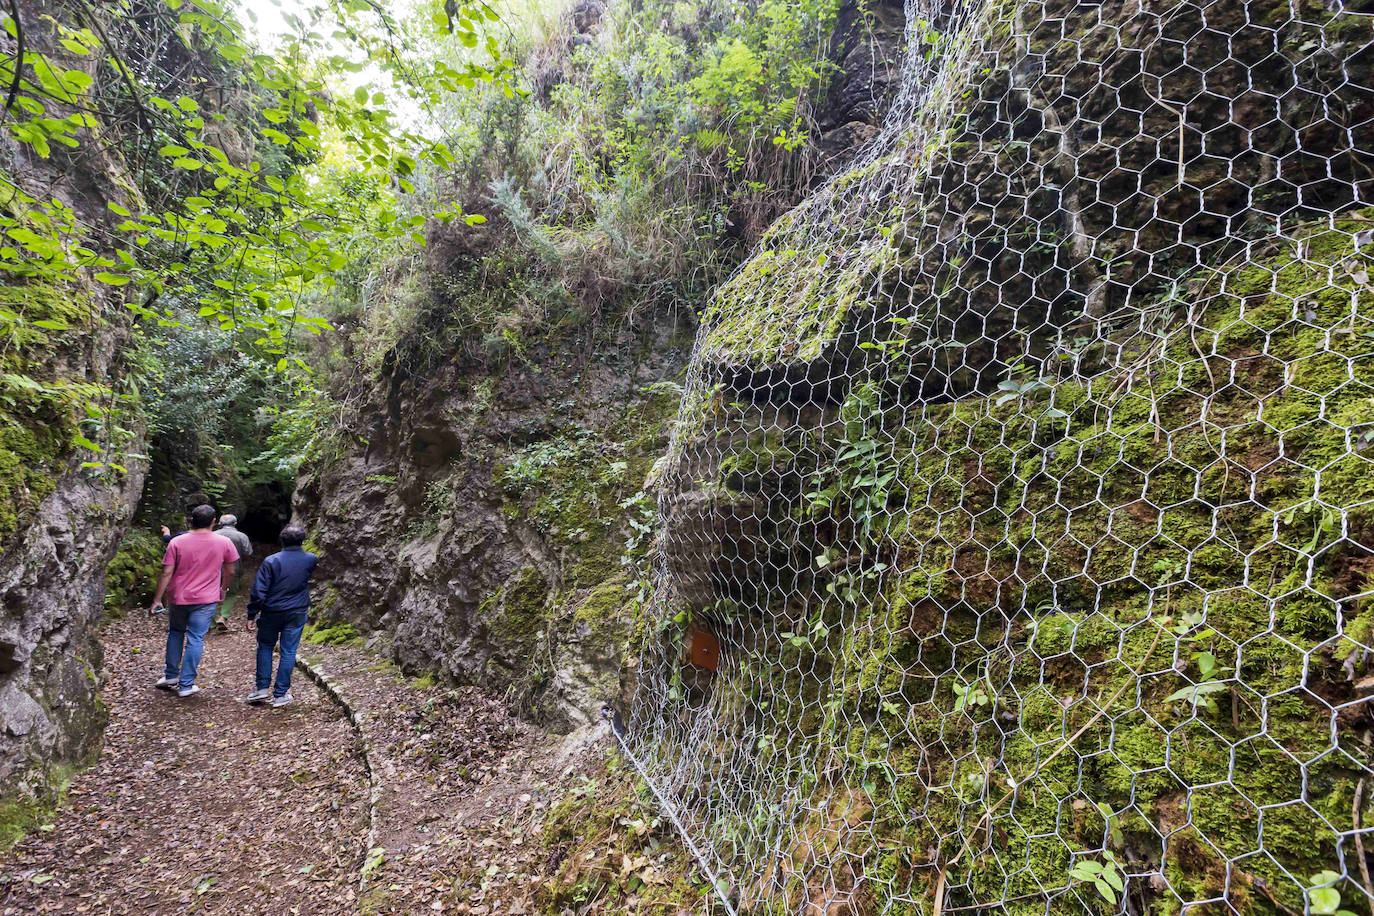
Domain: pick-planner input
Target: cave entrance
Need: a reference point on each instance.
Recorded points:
(266, 509)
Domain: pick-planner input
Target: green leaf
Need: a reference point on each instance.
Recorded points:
(110, 279)
(1325, 900)
(76, 80)
(1195, 691)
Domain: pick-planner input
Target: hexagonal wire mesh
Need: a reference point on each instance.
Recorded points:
(1023, 479)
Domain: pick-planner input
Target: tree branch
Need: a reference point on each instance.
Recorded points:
(18, 57)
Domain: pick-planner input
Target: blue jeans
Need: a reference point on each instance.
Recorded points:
(187, 625)
(271, 627)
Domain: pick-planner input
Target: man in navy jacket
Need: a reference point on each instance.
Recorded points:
(277, 608)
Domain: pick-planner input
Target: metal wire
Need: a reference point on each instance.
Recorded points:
(1023, 479)
(670, 811)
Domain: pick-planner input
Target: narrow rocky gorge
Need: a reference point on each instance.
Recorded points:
(935, 433)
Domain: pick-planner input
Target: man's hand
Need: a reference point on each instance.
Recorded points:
(166, 531)
(223, 593)
(155, 607)
(252, 624)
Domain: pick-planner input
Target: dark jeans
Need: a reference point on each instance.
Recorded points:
(187, 625)
(271, 627)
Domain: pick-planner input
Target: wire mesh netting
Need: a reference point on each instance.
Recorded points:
(1018, 533)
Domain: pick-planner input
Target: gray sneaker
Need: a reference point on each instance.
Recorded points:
(282, 700)
(166, 683)
(189, 691)
(259, 696)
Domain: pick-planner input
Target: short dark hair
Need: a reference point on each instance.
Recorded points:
(202, 516)
(292, 536)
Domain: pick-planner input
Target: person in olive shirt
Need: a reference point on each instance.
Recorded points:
(278, 607)
(228, 528)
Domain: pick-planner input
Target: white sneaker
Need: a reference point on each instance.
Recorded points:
(259, 696)
(166, 683)
(281, 700)
(189, 691)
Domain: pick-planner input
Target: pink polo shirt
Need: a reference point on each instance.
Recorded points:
(196, 558)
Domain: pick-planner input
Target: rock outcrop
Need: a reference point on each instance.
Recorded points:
(60, 521)
(481, 527)
(1022, 478)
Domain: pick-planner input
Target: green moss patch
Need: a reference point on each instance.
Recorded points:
(37, 411)
(131, 576)
(19, 815)
(1106, 617)
(329, 632)
(617, 852)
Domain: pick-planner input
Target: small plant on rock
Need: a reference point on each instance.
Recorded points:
(1323, 897)
(972, 695)
(1107, 876)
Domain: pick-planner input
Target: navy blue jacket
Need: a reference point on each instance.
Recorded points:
(283, 583)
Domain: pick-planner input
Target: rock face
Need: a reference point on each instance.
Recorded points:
(867, 54)
(1021, 475)
(52, 585)
(481, 527)
(59, 523)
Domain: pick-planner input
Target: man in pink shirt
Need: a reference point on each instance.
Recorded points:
(197, 568)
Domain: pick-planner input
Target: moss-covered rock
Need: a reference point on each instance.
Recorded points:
(1024, 177)
(131, 576)
(37, 403)
(1122, 613)
(20, 814)
(609, 844)
(329, 631)
(62, 360)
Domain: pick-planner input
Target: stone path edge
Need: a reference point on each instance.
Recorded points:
(314, 670)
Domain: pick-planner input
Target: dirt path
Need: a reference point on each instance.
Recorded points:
(482, 814)
(201, 805)
(206, 805)
(464, 787)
